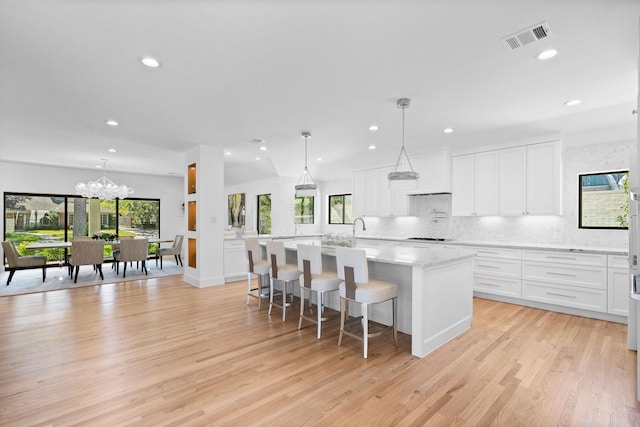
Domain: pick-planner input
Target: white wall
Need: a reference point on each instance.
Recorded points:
(530, 229)
(20, 177)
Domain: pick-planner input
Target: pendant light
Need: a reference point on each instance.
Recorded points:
(398, 173)
(103, 188)
(306, 186)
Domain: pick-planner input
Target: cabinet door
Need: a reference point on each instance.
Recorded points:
(435, 173)
(383, 193)
(486, 172)
(365, 198)
(544, 181)
(513, 181)
(462, 185)
(618, 291)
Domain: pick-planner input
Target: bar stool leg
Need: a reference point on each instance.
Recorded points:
(284, 300)
(365, 328)
(302, 307)
(248, 286)
(395, 321)
(270, 294)
(343, 302)
(319, 309)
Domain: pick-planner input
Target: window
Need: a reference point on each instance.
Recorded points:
(264, 213)
(603, 200)
(340, 209)
(50, 217)
(303, 210)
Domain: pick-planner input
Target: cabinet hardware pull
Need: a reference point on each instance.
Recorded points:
(561, 274)
(488, 266)
(488, 252)
(561, 295)
(561, 257)
(488, 284)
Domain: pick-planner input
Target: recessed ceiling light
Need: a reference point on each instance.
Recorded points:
(373, 127)
(111, 123)
(572, 102)
(372, 147)
(547, 54)
(319, 159)
(257, 158)
(263, 148)
(98, 166)
(448, 130)
(227, 153)
(150, 62)
(111, 150)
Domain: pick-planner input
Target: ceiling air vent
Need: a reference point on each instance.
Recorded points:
(527, 36)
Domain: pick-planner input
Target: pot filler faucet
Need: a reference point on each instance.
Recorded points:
(364, 227)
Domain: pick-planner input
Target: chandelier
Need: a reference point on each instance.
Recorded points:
(398, 173)
(306, 185)
(103, 188)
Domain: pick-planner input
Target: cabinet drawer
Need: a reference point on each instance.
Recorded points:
(565, 257)
(617, 261)
(489, 252)
(585, 299)
(234, 244)
(497, 286)
(497, 267)
(581, 276)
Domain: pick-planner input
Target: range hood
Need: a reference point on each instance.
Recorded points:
(435, 174)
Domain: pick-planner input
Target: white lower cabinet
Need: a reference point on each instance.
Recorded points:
(619, 285)
(568, 279)
(497, 271)
(497, 285)
(236, 264)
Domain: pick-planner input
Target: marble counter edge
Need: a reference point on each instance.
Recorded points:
(508, 245)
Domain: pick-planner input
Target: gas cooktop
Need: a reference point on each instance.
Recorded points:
(432, 239)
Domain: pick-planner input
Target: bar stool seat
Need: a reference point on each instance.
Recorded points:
(314, 279)
(257, 267)
(281, 272)
(357, 287)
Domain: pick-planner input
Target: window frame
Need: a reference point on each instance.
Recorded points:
(581, 224)
(343, 208)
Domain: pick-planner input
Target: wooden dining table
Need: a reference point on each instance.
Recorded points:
(61, 245)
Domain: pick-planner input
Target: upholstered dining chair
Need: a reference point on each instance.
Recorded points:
(314, 280)
(17, 262)
(281, 272)
(358, 287)
(175, 250)
(132, 250)
(257, 267)
(86, 252)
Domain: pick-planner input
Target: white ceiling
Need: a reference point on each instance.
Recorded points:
(233, 71)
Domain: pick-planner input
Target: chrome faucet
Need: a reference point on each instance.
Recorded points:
(364, 227)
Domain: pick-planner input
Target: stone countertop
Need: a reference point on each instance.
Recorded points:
(273, 236)
(510, 245)
(424, 257)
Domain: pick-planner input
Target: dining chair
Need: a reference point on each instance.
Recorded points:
(280, 272)
(86, 252)
(175, 250)
(358, 287)
(132, 250)
(17, 262)
(314, 280)
(257, 267)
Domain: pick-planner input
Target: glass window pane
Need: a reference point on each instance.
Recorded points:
(264, 214)
(603, 200)
(139, 217)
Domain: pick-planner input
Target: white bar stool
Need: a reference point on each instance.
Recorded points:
(281, 272)
(258, 267)
(359, 288)
(313, 279)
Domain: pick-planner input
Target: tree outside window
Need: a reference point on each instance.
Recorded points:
(303, 210)
(264, 213)
(340, 211)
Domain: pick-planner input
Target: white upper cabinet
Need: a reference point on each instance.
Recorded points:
(373, 197)
(544, 179)
(525, 180)
(513, 181)
(462, 185)
(530, 180)
(474, 184)
(435, 173)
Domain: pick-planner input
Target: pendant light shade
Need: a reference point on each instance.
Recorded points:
(403, 170)
(306, 186)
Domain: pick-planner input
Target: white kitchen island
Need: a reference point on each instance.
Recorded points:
(435, 291)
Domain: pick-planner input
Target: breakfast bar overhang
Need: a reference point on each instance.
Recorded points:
(435, 291)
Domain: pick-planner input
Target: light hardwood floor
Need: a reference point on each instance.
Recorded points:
(160, 352)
